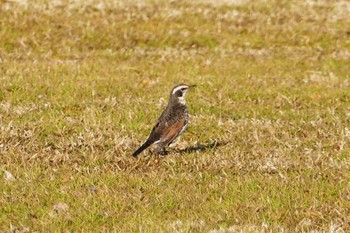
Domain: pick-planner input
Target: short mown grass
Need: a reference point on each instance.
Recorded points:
(267, 148)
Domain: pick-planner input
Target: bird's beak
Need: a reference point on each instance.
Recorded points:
(191, 86)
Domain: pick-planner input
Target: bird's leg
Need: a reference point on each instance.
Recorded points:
(160, 149)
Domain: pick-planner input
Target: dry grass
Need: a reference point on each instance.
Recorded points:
(267, 149)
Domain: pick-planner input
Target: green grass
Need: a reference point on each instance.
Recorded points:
(267, 148)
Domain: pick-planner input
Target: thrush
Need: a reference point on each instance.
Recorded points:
(171, 123)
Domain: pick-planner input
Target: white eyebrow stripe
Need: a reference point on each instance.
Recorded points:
(179, 88)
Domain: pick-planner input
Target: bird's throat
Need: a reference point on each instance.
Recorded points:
(181, 100)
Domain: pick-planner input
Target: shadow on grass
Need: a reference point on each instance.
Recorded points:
(202, 147)
(199, 147)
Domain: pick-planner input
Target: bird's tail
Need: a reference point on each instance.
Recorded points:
(144, 146)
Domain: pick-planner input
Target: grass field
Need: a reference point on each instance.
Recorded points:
(267, 148)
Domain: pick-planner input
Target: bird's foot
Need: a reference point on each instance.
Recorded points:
(164, 152)
(161, 151)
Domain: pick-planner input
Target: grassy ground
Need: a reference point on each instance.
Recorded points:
(268, 146)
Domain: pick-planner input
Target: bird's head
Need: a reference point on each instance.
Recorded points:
(179, 93)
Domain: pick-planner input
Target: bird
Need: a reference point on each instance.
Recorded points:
(171, 123)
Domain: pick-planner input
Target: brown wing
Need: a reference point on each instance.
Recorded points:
(172, 131)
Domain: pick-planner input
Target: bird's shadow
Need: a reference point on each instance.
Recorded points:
(202, 147)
